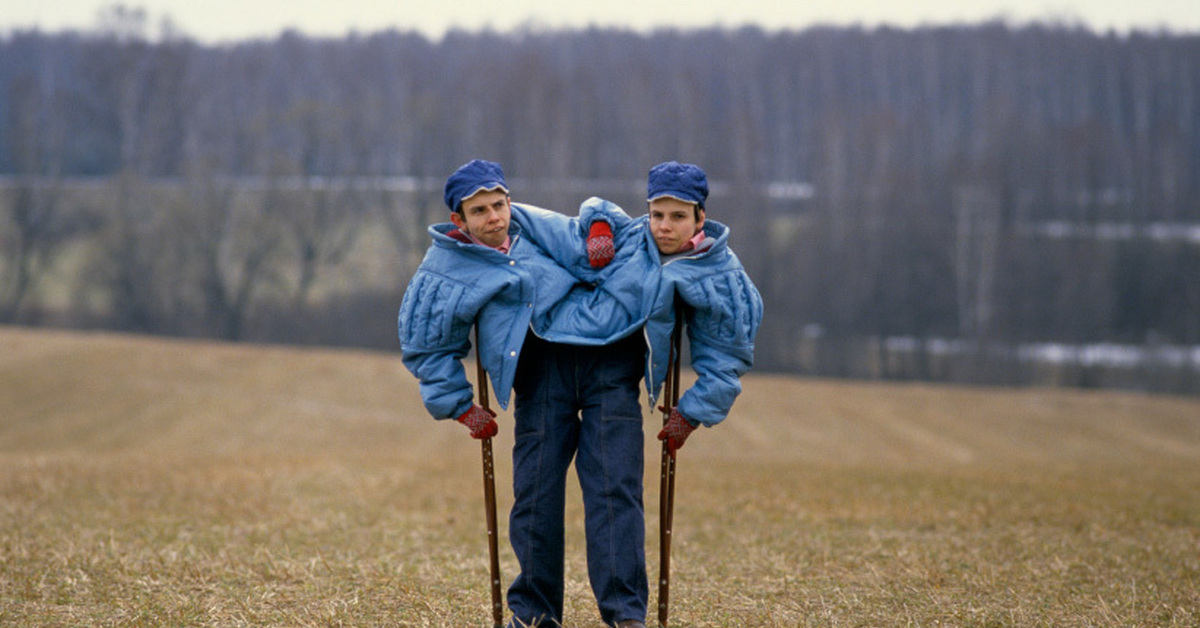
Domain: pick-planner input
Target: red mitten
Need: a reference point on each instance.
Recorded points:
(676, 430)
(480, 421)
(600, 249)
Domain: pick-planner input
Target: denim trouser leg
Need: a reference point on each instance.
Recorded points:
(555, 385)
(546, 438)
(610, 466)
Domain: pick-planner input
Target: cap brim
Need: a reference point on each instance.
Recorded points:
(675, 195)
(484, 187)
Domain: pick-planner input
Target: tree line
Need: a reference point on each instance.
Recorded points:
(992, 183)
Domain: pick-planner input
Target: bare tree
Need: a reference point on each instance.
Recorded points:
(231, 248)
(36, 223)
(977, 232)
(406, 214)
(35, 233)
(322, 222)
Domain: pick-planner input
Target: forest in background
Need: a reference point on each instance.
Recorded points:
(952, 203)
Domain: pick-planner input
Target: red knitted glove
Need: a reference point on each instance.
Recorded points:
(600, 249)
(480, 421)
(676, 430)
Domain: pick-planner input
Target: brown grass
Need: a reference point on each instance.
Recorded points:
(146, 482)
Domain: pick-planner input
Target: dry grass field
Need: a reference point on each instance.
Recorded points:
(151, 482)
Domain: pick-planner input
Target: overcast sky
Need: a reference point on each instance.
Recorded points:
(223, 20)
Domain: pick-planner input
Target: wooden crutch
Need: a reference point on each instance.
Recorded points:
(666, 499)
(489, 490)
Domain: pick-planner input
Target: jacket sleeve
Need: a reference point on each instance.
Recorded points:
(564, 239)
(561, 237)
(597, 209)
(723, 313)
(434, 325)
(629, 240)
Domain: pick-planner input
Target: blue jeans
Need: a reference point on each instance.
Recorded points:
(579, 403)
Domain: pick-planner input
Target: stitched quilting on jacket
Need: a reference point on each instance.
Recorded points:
(560, 298)
(721, 306)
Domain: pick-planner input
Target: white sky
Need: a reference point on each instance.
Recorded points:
(224, 20)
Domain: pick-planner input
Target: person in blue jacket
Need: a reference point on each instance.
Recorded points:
(561, 334)
(698, 275)
(544, 312)
(720, 304)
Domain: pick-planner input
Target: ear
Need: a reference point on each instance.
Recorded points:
(458, 221)
(699, 220)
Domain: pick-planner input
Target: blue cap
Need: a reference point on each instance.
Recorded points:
(470, 179)
(685, 182)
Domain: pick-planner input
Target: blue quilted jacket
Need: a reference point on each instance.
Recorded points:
(722, 310)
(562, 299)
(721, 307)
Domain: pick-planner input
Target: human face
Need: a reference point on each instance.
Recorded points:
(674, 222)
(485, 216)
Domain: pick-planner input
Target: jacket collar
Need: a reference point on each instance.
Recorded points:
(716, 234)
(443, 238)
